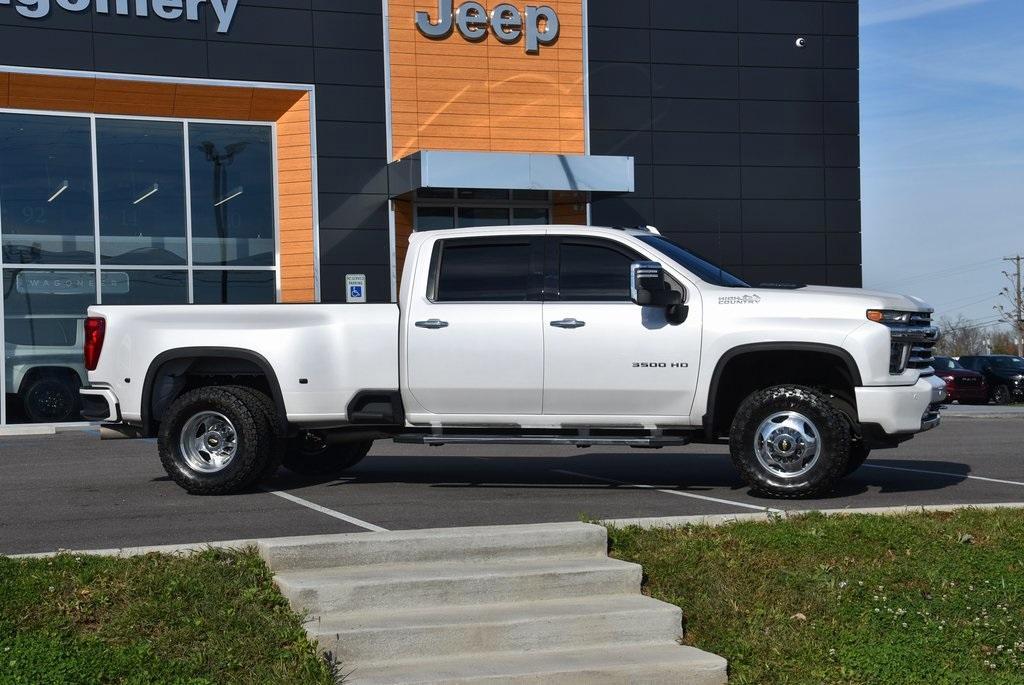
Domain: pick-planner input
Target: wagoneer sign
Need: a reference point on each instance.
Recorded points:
(162, 9)
(507, 22)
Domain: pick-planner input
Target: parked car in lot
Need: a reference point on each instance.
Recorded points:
(561, 335)
(962, 385)
(43, 356)
(1004, 373)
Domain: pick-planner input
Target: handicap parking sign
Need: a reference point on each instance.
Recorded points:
(355, 287)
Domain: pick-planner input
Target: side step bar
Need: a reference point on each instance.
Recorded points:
(437, 439)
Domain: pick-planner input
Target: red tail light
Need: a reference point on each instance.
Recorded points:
(95, 330)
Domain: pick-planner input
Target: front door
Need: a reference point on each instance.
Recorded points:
(475, 339)
(604, 355)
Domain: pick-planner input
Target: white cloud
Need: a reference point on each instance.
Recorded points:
(889, 11)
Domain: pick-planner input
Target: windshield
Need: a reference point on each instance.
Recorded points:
(945, 364)
(1009, 363)
(701, 268)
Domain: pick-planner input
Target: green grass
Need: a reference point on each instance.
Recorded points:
(913, 599)
(210, 618)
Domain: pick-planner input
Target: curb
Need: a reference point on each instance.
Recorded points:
(715, 520)
(184, 550)
(712, 520)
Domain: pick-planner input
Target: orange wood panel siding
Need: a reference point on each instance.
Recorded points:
(453, 94)
(569, 208)
(290, 109)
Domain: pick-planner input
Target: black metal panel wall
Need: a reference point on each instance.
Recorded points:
(336, 45)
(747, 146)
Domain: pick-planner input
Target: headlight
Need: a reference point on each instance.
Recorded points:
(888, 316)
(949, 379)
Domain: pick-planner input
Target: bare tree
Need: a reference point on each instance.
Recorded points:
(960, 336)
(1004, 342)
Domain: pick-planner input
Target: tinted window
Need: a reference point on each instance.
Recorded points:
(232, 178)
(1015, 364)
(591, 273)
(475, 272)
(945, 364)
(234, 287)
(46, 190)
(142, 191)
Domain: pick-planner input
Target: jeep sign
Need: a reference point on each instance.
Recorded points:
(507, 22)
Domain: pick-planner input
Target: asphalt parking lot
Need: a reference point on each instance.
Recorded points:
(72, 491)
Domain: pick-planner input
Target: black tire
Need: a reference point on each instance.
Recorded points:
(859, 453)
(269, 423)
(1002, 394)
(251, 439)
(51, 398)
(819, 474)
(309, 454)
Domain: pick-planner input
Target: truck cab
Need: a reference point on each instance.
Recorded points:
(542, 334)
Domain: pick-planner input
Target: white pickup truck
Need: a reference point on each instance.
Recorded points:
(542, 335)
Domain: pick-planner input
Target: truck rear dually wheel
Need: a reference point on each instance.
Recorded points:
(790, 441)
(212, 442)
(310, 454)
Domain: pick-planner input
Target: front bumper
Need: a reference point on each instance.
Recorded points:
(902, 409)
(100, 404)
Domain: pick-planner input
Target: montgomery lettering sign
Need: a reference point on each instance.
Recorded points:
(536, 25)
(169, 10)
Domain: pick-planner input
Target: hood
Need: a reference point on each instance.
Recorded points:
(880, 299)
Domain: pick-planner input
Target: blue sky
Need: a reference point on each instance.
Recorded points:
(942, 126)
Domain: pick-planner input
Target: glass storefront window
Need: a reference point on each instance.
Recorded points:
(530, 216)
(144, 286)
(435, 218)
(483, 216)
(141, 168)
(439, 208)
(43, 339)
(52, 219)
(232, 181)
(234, 287)
(46, 194)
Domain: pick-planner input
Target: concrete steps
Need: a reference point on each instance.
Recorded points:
(659, 664)
(527, 626)
(517, 604)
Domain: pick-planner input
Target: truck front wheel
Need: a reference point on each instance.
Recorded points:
(789, 441)
(310, 454)
(212, 443)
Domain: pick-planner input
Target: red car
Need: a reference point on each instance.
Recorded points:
(963, 386)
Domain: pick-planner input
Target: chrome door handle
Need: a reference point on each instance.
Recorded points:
(432, 324)
(569, 323)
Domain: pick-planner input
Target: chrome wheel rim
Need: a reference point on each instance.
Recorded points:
(208, 442)
(787, 444)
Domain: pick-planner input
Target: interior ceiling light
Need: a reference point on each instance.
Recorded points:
(231, 196)
(60, 191)
(149, 193)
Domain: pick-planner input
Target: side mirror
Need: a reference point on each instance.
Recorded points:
(649, 288)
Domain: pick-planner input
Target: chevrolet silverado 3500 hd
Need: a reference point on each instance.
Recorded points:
(547, 334)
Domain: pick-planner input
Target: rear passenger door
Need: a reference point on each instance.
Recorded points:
(475, 342)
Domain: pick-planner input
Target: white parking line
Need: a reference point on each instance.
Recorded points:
(944, 473)
(679, 493)
(324, 510)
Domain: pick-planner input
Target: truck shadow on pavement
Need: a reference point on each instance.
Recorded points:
(699, 473)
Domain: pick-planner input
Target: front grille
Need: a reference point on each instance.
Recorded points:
(967, 380)
(913, 343)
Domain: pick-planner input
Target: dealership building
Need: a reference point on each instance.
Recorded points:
(161, 152)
